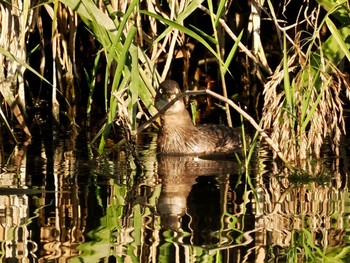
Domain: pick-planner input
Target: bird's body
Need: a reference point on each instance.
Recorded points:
(178, 134)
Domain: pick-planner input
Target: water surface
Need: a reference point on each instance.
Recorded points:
(60, 203)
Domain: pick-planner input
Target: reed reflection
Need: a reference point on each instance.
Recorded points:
(304, 213)
(60, 218)
(14, 209)
(41, 215)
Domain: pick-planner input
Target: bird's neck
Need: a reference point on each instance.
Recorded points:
(180, 119)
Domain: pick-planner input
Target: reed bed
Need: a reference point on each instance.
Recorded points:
(102, 60)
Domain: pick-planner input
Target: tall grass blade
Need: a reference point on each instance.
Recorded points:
(306, 121)
(306, 101)
(134, 86)
(232, 53)
(286, 80)
(193, 5)
(91, 81)
(338, 9)
(205, 36)
(116, 80)
(22, 63)
(126, 16)
(7, 93)
(8, 125)
(89, 13)
(191, 33)
(219, 11)
(340, 37)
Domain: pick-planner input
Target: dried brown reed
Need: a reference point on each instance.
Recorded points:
(309, 107)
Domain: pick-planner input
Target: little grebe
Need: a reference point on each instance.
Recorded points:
(178, 134)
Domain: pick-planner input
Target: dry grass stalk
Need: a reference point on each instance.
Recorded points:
(14, 24)
(242, 47)
(12, 38)
(309, 108)
(65, 23)
(286, 126)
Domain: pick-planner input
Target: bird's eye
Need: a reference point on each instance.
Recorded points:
(160, 91)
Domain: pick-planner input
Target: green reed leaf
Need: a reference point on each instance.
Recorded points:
(89, 12)
(22, 63)
(176, 25)
(232, 52)
(220, 10)
(314, 105)
(306, 74)
(91, 81)
(339, 40)
(286, 80)
(194, 35)
(122, 25)
(338, 9)
(193, 5)
(135, 75)
(2, 114)
(205, 36)
(115, 85)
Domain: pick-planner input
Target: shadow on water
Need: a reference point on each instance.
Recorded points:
(58, 203)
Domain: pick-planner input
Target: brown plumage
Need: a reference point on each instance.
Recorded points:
(178, 135)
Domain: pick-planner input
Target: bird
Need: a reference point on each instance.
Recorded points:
(178, 135)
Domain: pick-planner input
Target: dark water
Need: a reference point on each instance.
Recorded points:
(59, 203)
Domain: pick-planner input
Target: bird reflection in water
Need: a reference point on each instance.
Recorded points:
(194, 178)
